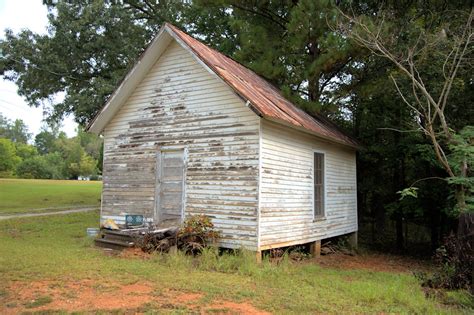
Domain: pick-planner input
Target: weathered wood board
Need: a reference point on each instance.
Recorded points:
(185, 143)
(179, 105)
(286, 196)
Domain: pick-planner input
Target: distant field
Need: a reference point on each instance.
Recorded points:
(34, 195)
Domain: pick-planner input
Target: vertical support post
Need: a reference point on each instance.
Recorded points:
(315, 249)
(352, 240)
(258, 256)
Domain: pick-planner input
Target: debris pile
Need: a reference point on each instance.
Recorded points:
(192, 236)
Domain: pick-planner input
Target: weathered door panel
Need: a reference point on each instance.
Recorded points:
(170, 187)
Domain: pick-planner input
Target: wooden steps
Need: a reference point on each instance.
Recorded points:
(117, 240)
(126, 238)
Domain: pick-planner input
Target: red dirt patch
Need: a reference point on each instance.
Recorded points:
(134, 253)
(88, 295)
(226, 307)
(372, 262)
(187, 298)
(83, 295)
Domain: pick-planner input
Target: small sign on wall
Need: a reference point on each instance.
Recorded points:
(133, 219)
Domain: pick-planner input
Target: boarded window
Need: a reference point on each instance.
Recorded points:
(318, 184)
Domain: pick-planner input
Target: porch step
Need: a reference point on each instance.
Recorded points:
(113, 244)
(116, 235)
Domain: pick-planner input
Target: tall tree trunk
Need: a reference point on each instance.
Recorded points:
(313, 82)
(399, 180)
(313, 88)
(435, 220)
(399, 230)
(379, 218)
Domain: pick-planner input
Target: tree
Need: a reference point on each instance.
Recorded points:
(76, 162)
(287, 42)
(34, 167)
(449, 50)
(25, 151)
(46, 138)
(85, 167)
(88, 49)
(91, 143)
(16, 131)
(8, 158)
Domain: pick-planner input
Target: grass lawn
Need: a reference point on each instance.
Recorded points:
(47, 263)
(35, 195)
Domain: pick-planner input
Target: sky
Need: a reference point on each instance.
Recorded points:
(18, 15)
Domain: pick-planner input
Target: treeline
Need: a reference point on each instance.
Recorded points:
(52, 155)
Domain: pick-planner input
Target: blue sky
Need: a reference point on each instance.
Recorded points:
(18, 15)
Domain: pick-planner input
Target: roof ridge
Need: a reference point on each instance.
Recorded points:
(268, 94)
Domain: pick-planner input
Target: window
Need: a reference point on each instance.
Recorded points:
(318, 177)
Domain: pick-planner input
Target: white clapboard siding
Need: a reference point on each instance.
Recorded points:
(286, 196)
(178, 105)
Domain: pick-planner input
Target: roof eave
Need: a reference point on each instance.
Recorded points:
(313, 133)
(131, 79)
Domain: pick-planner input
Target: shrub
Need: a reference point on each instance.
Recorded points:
(8, 158)
(34, 167)
(455, 259)
(196, 233)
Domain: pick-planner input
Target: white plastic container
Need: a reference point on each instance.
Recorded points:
(92, 232)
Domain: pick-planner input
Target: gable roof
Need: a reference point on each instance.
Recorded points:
(261, 96)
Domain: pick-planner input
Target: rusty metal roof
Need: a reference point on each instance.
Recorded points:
(262, 95)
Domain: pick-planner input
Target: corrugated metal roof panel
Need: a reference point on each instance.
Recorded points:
(260, 93)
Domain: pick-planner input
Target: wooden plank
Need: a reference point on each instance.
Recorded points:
(287, 188)
(180, 106)
(315, 249)
(158, 171)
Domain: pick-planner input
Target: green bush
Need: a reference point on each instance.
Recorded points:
(34, 167)
(8, 158)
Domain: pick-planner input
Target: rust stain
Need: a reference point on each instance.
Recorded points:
(266, 99)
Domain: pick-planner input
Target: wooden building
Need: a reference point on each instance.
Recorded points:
(191, 131)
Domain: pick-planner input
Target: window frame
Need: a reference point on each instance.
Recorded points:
(313, 201)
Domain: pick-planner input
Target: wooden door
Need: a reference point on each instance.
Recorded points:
(170, 187)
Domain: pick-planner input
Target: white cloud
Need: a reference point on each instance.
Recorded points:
(18, 15)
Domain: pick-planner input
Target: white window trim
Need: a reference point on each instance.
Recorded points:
(323, 217)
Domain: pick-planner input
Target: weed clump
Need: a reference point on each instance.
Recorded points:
(40, 301)
(196, 234)
(455, 259)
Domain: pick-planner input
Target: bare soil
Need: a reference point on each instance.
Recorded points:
(91, 295)
(373, 262)
(88, 295)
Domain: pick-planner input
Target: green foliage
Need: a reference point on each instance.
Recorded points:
(88, 49)
(54, 156)
(8, 157)
(16, 131)
(45, 140)
(454, 263)
(25, 151)
(86, 166)
(92, 44)
(288, 43)
(34, 167)
(461, 158)
(408, 192)
(48, 166)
